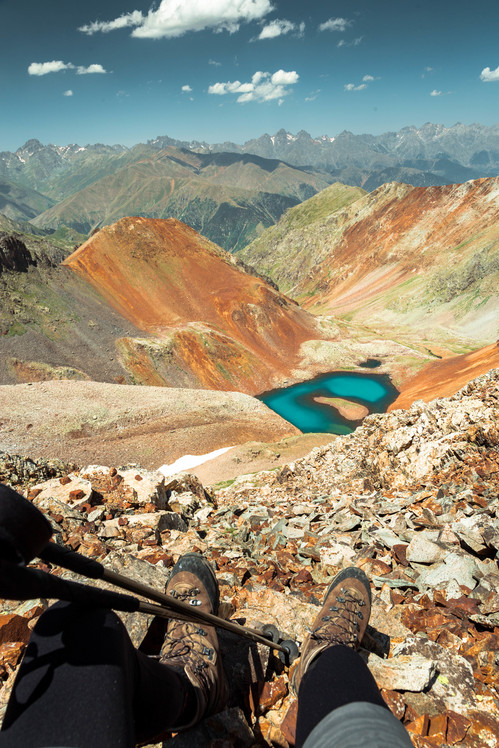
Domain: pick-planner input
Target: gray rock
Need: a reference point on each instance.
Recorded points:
(74, 493)
(478, 532)
(423, 551)
(158, 521)
(387, 537)
(172, 521)
(96, 514)
(345, 520)
(402, 673)
(110, 529)
(461, 569)
(454, 686)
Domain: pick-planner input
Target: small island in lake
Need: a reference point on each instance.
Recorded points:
(346, 408)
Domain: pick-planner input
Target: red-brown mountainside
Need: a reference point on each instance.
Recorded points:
(444, 378)
(425, 258)
(215, 325)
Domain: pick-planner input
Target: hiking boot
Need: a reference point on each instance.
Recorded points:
(342, 619)
(192, 648)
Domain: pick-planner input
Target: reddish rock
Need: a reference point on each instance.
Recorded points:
(302, 577)
(14, 628)
(76, 495)
(288, 726)
(399, 551)
(395, 702)
(438, 727)
(457, 727)
(10, 654)
(272, 693)
(420, 725)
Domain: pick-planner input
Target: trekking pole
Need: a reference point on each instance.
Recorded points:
(55, 554)
(25, 534)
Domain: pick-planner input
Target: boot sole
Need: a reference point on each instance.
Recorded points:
(196, 564)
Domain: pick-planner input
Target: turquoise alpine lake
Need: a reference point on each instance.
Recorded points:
(297, 404)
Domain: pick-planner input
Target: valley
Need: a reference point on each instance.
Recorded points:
(404, 275)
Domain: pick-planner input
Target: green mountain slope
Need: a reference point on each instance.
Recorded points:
(21, 203)
(42, 240)
(284, 251)
(229, 198)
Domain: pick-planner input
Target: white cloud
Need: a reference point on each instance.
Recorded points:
(173, 18)
(313, 95)
(215, 63)
(489, 75)
(353, 87)
(135, 18)
(280, 27)
(283, 78)
(353, 43)
(263, 87)
(370, 78)
(43, 68)
(68, 92)
(186, 88)
(436, 93)
(94, 68)
(335, 24)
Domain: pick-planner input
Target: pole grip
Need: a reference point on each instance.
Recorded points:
(22, 583)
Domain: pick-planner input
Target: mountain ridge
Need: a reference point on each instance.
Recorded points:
(399, 258)
(229, 198)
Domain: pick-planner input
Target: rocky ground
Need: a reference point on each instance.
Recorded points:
(411, 497)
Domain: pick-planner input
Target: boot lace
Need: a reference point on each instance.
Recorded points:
(182, 638)
(343, 626)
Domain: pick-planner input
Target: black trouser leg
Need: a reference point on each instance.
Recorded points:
(339, 676)
(83, 684)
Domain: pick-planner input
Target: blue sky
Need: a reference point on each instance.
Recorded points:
(123, 71)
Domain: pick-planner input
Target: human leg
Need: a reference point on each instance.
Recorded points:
(83, 683)
(339, 703)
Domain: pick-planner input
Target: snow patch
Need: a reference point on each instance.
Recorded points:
(190, 461)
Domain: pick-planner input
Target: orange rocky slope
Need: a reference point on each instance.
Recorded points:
(214, 325)
(444, 378)
(423, 258)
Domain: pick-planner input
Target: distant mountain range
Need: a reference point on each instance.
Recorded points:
(432, 154)
(229, 192)
(229, 198)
